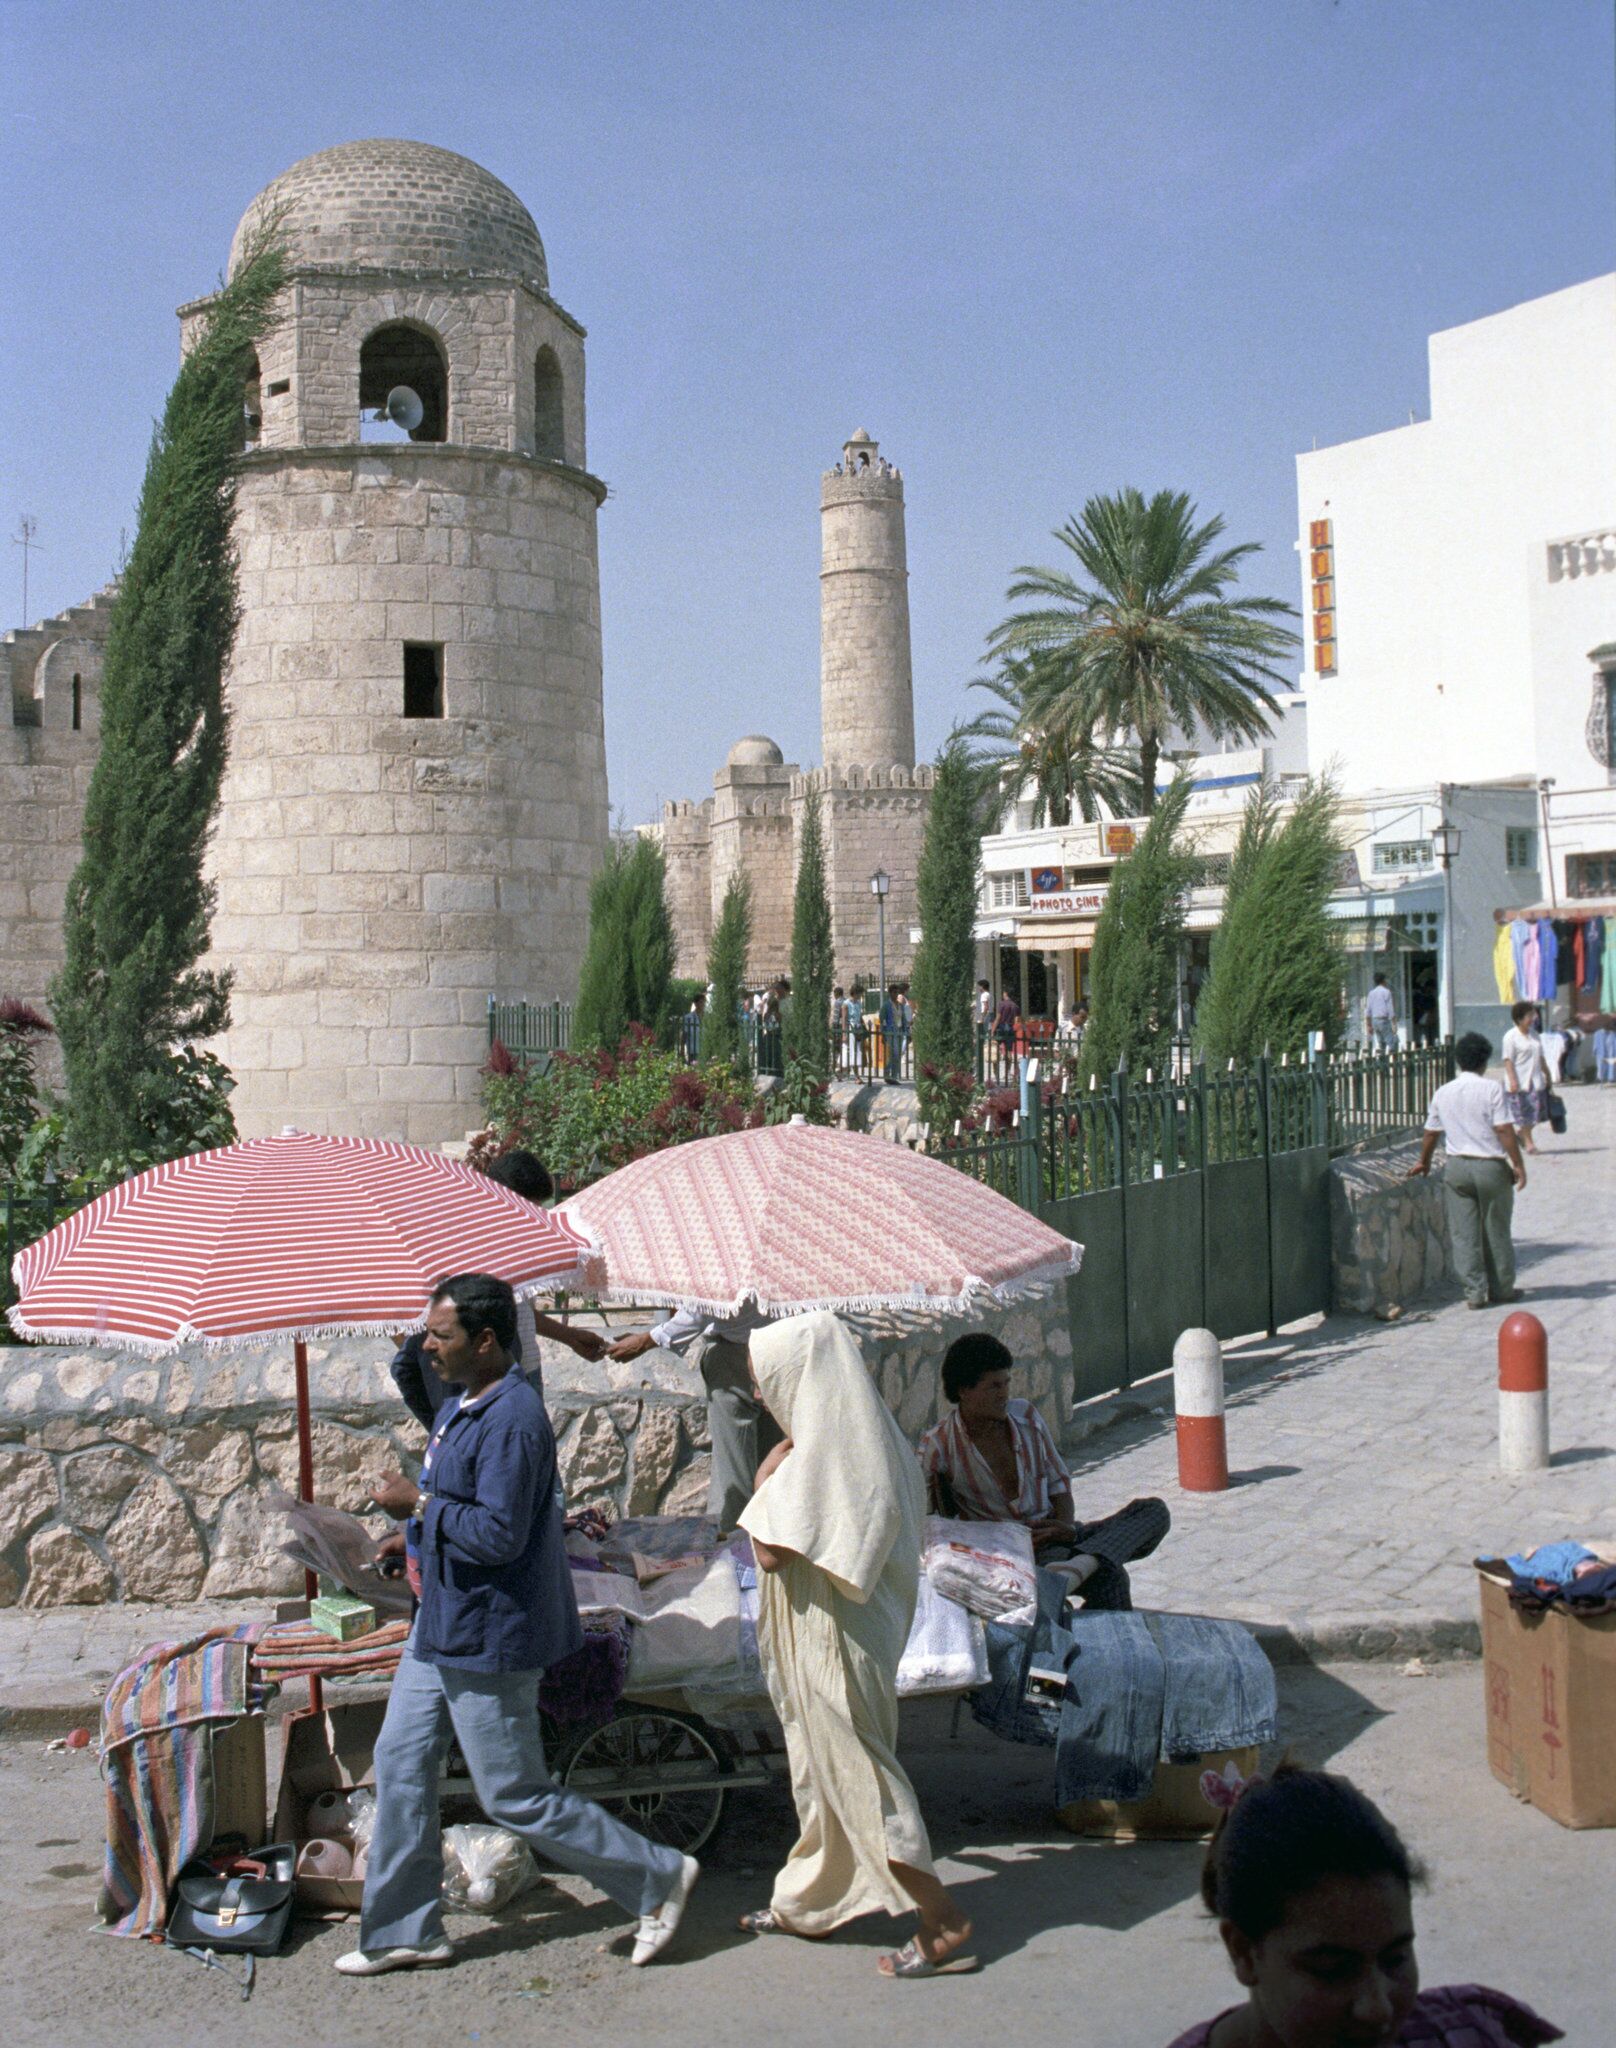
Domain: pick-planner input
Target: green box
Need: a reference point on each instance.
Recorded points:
(342, 1615)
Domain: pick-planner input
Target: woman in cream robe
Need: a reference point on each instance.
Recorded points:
(836, 1524)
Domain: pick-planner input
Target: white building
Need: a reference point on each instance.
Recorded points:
(1459, 576)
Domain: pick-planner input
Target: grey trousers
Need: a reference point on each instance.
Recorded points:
(495, 1715)
(743, 1430)
(1479, 1195)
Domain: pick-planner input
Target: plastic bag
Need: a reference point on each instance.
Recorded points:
(985, 1566)
(485, 1867)
(361, 1821)
(947, 1649)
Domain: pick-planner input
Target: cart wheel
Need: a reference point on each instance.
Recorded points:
(633, 1767)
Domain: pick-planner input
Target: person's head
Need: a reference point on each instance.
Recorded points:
(524, 1173)
(1311, 1887)
(838, 991)
(1380, 981)
(1521, 1014)
(976, 1376)
(1082, 1009)
(1472, 1053)
(470, 1328)
(699, 1000)
(982, 985)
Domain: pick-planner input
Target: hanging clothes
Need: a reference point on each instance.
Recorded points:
(1548, 961)
(1578, 956)
(1531, 963)
(1607, 970)
(1517, 948)
(1593, 953)
(1504, 963)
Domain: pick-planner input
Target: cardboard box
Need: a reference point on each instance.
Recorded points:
(1551, 1706)
(332, 1751)
(1175, 1809)
(240, 1782)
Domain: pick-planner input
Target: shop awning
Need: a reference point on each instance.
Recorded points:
(1055, 935)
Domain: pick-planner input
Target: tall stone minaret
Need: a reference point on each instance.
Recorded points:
(866, 685)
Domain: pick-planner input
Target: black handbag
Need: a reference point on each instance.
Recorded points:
(238, 1905)
(1557, 1114)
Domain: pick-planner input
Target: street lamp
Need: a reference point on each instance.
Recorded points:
(880, 883)
(1445, 843)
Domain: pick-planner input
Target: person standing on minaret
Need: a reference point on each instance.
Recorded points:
(866, 682)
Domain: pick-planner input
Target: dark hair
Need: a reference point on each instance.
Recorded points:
(1473, 1052)
(1288, 1833)
(524, 1173)
(1520, 1010)
(971, 1358)
(1379, 978)
(482, 1302)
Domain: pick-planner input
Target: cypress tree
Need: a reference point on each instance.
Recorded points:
(650, 934)
(726, 970)
(132, 990)
(945, 966)
(813, 964)
(602, 1012)
(1276, 969)
(1134, 966)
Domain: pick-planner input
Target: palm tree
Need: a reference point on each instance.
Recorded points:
(1063, 772)
(1146, 639)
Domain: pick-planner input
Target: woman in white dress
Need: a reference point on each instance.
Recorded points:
(1526, 1074)
(836, 1524)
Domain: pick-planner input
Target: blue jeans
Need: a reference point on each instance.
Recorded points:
(495, 1716)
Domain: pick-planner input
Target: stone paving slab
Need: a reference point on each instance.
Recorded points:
(1364, 1456)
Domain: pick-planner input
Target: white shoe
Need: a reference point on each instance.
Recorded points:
(358, 1964)
(657, 1929)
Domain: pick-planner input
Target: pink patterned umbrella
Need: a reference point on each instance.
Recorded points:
(798, 1216)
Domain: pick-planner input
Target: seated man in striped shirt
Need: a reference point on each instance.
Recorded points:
(994, 1460)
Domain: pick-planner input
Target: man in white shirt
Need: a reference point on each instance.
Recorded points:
(1482, 1170)
(1380, 1015)
(742, 1430)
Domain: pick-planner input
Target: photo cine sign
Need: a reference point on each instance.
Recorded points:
(1067, 902)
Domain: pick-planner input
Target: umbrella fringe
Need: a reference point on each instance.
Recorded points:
(975, 1294)
(313, 1333)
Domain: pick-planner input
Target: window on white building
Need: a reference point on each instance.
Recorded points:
(1397, 856)
(1008, 892)
(1520, 846)
(1591, 874)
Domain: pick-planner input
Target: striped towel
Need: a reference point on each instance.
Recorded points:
(297, 1649)
(157, 1724)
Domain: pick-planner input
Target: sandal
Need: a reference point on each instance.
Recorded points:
(911, 1961)
(766, 1921)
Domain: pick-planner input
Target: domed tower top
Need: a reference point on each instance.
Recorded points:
(422, 311)
(386, 205)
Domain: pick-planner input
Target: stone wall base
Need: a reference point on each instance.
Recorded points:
(1388, 1235)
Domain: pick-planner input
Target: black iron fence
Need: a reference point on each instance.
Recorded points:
(27, 1215)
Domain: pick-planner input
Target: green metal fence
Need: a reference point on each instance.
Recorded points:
(528, 1030)
(26, 1218)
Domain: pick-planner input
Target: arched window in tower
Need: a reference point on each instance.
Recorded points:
(78, 703)
(252, 405)
(549, 423)
(403, 386)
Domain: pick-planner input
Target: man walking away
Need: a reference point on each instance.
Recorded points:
(1482, 1170)
(489, 1568)
(1380, 1015)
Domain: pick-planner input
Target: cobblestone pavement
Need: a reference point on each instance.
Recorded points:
(1364, 1455)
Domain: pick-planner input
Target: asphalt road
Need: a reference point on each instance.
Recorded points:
(1094, 1945)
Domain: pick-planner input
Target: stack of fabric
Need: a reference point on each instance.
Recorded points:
(1576, 1576)
(297, 1649)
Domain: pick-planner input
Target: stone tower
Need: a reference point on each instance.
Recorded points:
(866, 685)
(416, 795)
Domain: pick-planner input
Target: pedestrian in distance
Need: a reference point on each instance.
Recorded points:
(691, 1026)
(1312, 1890)
(1526, 1074)
(485, 1552)
(1380, 1016)
(836, 1526)
(1481, 1172)
(1006, 1022)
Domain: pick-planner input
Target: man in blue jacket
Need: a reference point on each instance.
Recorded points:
(489, 1566)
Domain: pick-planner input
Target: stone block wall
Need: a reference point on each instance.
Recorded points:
(687, 847)
(1389, 1240)
(752, 832)
(873, 818)
(128, 1478)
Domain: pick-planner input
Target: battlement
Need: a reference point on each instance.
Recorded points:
(691, 813)
(841, 486)
(876, 776)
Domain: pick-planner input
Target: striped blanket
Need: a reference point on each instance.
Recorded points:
(157, 1759)
(296, 1649)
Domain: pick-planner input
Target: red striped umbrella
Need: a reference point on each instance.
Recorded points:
(797, 1216)
(295, 1236)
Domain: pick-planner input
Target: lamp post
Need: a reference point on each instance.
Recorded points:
(880, 883)
(1445, 845)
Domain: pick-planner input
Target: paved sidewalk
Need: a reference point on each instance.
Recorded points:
(1365, 1454)
(1365, 1459)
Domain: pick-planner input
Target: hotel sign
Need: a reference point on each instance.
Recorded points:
(1321, 563)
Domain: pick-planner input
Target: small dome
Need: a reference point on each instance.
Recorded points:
(398, 206)
(755, 752)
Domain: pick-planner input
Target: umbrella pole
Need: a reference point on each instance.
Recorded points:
(305, 1487)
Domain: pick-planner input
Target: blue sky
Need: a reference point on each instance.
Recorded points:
(1039, 251)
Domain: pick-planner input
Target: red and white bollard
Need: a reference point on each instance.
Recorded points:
(1523, 1394)
(1203, 1450)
